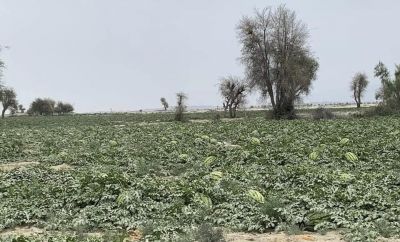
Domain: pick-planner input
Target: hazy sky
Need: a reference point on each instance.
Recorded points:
(126, 54)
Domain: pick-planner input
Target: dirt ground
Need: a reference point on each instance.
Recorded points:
(332, 236)
(16, 165)
(282, 237)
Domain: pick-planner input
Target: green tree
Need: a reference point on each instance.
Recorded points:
(164, 103)
(389, 92)
(63, 108)
(42, 106)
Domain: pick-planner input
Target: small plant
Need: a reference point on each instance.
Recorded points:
(206, 233)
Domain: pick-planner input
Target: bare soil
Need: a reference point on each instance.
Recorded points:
(332, 236)
(62, 167)
(16, 165)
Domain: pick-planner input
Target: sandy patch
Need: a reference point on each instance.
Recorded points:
(282, 237)
(332, 236)
(62, 167)
(17, 165)
(201, 121)
(25, 231)
(231, 119)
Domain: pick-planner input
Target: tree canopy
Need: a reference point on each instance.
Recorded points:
(277, 58)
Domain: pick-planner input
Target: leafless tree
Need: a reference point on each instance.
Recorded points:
(276, 56)
(180, 106)
(358, 86)
(164, 103)
(8, 98)
(233, 91)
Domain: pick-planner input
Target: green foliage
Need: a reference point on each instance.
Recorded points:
(42, 106)
(322, 113)
(63, 108)
(389, 93)
(128, 175)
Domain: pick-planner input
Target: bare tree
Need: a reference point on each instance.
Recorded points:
(164, 103)
(180, 106)
(8, 98)
(277, 58)
(233, 91)
(358, 86)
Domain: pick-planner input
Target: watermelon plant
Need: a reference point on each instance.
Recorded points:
(124, 173)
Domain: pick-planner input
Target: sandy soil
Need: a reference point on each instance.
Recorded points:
(62, 167)
(16, 165)
(282, 237)
(332, 236)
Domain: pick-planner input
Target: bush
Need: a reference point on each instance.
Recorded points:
(322, 113)
(382, 110)
(206, 233)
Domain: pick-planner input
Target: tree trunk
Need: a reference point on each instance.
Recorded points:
(230, 112)
(3, 112)
(358, 105)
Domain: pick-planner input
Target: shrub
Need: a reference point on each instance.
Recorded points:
(206, 233)
(322, 113)
(382, 110)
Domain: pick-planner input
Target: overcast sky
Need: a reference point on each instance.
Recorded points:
(126, 54)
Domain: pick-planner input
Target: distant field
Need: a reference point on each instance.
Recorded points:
(143, 174)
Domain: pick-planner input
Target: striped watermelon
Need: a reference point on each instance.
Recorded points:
(313, 155)
(350, 156)
(256, 196)
(216, 175)
(209, 160)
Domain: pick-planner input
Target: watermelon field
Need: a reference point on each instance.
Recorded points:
(130, 177)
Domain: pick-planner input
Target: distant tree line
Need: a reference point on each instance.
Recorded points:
(47, 106)
(278, 63)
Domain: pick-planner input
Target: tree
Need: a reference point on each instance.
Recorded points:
(180, 106)
(21, 108)
(164, 103)
(63, 108)
(2, 66)
(276, 56)
(233, 91)
(8, 98)
(41, 106)
(358, 86)
(389, 92)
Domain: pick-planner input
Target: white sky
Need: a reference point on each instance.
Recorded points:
(126, 54)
